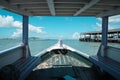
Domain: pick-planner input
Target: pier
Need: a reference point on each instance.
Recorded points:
(96, 36)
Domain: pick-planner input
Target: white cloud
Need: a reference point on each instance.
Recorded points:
(6, 21)
(100, 19)
(17, 24)
(114, 19)
(75, 35)
(99, 25)
(112, 22)
(35, 29)
(9, 22)
(17, 33)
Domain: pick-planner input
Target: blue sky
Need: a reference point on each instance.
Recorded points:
(51, 27)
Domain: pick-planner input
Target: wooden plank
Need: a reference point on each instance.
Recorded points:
(79, 73)
(15, 9)
(68, 59)
(26, 64)
(73, 61)
(104, 31)
(82, 74)
(51, 7)
(110, 66)
(90, 75)
(87, 6)
(57, 58)
(60, 60)
(109, 13)
(21, 62)
(64, 59)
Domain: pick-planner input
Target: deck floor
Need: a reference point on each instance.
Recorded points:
(79, 73)
(58, 66)
(61, 60)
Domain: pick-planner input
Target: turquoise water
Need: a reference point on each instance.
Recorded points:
(89, 48)
(5, 44)
(36, 46)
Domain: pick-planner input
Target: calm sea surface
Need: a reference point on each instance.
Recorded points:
(36, 46)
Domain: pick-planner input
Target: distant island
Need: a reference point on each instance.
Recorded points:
(18, 38)
(34, 38)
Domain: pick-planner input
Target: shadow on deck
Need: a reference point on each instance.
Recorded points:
(58, 73)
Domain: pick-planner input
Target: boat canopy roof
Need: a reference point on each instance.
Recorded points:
(97, 8)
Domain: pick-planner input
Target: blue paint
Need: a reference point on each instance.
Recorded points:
(25, 30)
(104, 30)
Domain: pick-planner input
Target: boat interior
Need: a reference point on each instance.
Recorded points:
(69, 66)
(16, 63)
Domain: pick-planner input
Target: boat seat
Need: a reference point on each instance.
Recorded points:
(25, 66)
(107, 63)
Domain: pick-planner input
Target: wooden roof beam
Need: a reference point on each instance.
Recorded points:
(14, 2)
(87, 6)
(51, 7)
(109, 3)
(44, 1)
(6, 5)
(109, 13)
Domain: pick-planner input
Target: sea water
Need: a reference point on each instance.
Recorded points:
(36, 46)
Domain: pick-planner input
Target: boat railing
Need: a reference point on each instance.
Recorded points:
(19, 59)
(11, 55)
(110, 52)
(113, 53)
(108, 60)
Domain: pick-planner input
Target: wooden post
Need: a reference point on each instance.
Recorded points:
(104, 30)
(104, 35)
(25, 30)
(26, 51)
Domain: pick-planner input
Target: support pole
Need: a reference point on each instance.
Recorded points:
(104, 36)
(26, 50)
(25, 30)
(104, 30)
